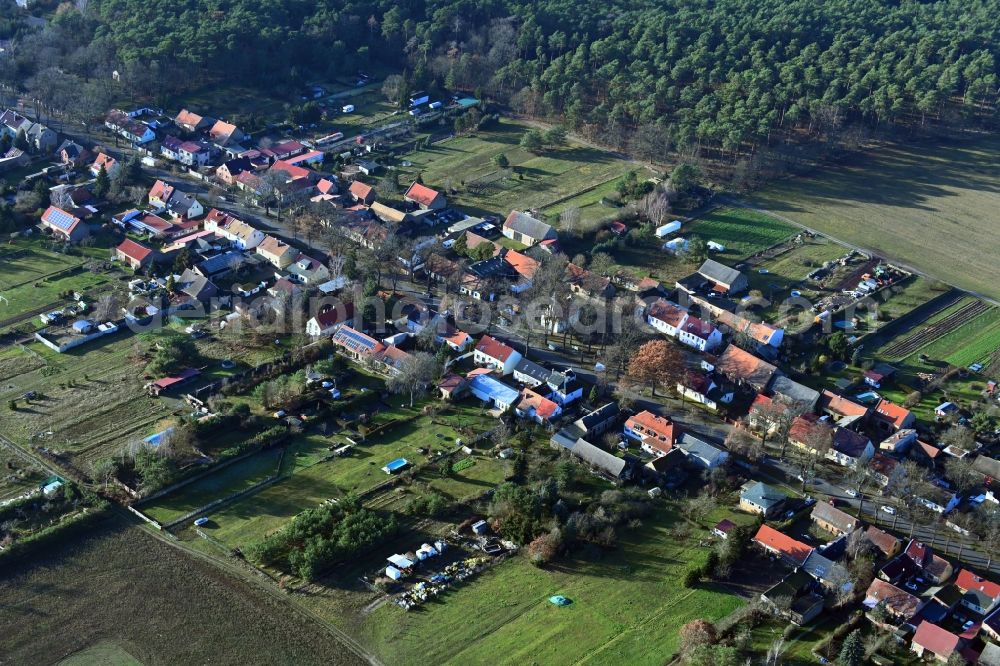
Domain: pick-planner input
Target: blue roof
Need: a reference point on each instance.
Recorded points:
(496, 390)
(60, 218)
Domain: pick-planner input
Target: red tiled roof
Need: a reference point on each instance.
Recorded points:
(183, 375)
(802, 427)
(525, 266)
(544, 408)
(840, 405)
(186, 117)
(221, 130)
(657, 427)
(156, 222)
(292, 171)
(892, 413)
(698, 328)
(697, 381)
(667, 312)
(882, 540)
(421, 194)
(738, 364)
(494, 348)
(333, 316)
(935, 639)
(134, 250)
(360, 190)
(969, 581)
(458, 338)
(105, 160)
(929, 450)
(161, 191)
(192, 147)
(902, 604)
(311, 156)
(450, 382)
(774, 540)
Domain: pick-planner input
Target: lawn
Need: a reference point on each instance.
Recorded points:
(927, 205)
(117, 592)
(313, 476)
(743, 232)
(23, 261)
(914, 292)
(589, 203)
(537, 181)
(105, 653)
(233, 478)
(32, 295)
(627, 605)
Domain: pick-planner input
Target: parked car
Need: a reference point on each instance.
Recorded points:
(891, 510)
(851, 492)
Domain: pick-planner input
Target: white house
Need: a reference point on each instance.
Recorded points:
(699, 334)
(850, 447)
(327, 323)
(495, 354)
(233, 229)
(666, 317)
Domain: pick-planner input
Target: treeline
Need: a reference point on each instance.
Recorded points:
(730, 76)
(318, 538)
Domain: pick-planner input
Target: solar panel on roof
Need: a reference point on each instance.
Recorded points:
(61, 219)
(355, 341)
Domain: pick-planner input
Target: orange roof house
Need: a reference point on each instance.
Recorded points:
(362, 192)
(291, 171)
(425, 197)
(223, 132)
(160, 193)
(537, 407)
(190, 121)
(742, 367)
(892, 417)
(109, 163)
(654, 432)
(276, 251)
(792, 551)
(524, 265)
(494, 349)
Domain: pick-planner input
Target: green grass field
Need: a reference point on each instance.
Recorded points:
(538, 181)
(592, 211)
(929, 206)
(311, 480)
(742, 232)
(105, 653)
(24, 261)
(233, 478)
(974, 342)
(627, 607)
(902, 298)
